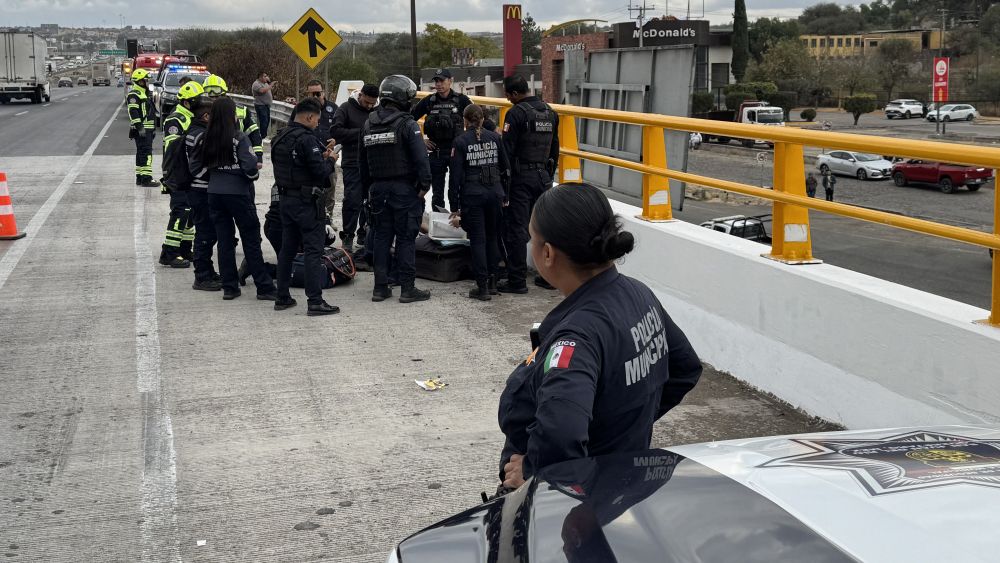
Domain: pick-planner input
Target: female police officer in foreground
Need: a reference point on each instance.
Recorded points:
(478, 162)
(610, 360)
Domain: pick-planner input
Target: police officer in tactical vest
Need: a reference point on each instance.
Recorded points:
(176, 182)
(323, 132)
(142, 124)
(444, 110)
(302, 168)
(394, 163)
(532, 143)
(205, 276)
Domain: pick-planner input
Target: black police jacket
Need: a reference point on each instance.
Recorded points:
(478, 165)
(444, 121)
(610, 363)
(297, 156)
(346, 128)
(392, 149)
(526, 144)
(323, 132)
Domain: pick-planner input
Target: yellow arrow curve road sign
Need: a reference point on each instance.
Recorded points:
(311, 38)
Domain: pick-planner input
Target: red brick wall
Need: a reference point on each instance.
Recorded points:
(590, 41)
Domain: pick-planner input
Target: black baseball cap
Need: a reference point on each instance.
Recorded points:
(442, 73)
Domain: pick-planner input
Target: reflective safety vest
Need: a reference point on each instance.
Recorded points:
(140, 109)
(175, 125)
(388, 157)
(249, 126)
(536, 139)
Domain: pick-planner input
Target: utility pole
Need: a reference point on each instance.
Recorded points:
(413, 41)
(641, 11)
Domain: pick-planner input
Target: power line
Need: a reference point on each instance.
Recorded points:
(641, 11)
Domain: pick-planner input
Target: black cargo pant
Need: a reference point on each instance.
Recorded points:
(396, 212)
(353, 212)
(144, 154)
(440, 160)
(301, 226)
(204, 235)
(180, 230)
(229, 213)
(525, 189)
(481, 219)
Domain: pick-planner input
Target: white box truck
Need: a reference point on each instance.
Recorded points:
(23, 68)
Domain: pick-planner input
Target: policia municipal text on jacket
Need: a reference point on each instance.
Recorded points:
(227, 156)
(610, 360)
(530, 136)
(142, 127)
(444, 109)
(302, 169)
(394, 163)
(478, 180)
(176, 181)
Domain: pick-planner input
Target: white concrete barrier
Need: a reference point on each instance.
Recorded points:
(841, 345)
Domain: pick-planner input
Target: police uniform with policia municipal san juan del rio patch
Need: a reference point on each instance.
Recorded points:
(610, 363)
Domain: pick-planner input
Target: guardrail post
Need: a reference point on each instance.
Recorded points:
(569, 166)
(994, 318)
(655, 189)
(791, 240)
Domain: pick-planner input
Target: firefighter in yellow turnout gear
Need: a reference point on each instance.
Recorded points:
(177, 178)
(142, 127)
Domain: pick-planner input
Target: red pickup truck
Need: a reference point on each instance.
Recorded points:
(947, 177)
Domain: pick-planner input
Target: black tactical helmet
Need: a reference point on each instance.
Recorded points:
(397, 89)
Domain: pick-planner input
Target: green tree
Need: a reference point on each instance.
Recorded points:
(702, 102)
(741, 41)
(786, 59)
(859, 105)
(437, 42)
(766, 32)
(853, 74)
(831, 19)
(531, 39)
(876, 15)
(894, 63)
(989, 24)
(987, 87)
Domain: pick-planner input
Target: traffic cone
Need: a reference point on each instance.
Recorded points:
(8, 226)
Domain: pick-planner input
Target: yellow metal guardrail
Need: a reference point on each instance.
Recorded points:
(791, 237)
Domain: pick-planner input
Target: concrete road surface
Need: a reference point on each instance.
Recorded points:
(144, 421)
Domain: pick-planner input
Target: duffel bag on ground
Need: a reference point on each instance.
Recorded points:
(338, 268)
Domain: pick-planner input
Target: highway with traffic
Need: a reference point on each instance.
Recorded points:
(144, 421)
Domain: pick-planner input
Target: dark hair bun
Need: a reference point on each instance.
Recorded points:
(612, 243)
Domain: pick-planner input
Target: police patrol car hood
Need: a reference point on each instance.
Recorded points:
(905, 494)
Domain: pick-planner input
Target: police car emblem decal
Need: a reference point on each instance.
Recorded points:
(905, 462)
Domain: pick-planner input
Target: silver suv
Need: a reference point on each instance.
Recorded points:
(904, 109)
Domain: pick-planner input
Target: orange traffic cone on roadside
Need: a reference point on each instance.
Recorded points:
(8, 226)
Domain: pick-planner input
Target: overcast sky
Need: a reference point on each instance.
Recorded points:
(392, 15)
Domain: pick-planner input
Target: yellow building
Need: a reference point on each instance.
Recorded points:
(857, 45)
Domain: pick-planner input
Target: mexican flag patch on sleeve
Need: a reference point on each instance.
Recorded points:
(560, 355)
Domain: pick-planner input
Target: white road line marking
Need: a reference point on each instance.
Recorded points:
(22, 113)
(9, 260)
(159, 475)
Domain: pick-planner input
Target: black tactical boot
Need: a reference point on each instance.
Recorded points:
(381, 293)
(410, 294)
(491, 285)
(282, 304)
(175, 262)
(480, 292)
(138, 180)
(149, 182)
(542, 283)
(242, 273)
(207, 285)
(347, 242)
(507, 287)
(323, 308)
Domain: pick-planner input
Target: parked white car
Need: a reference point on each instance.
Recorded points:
(953, 112)
(904, 109)
(862, 166)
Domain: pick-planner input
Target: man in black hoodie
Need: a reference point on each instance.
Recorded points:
(346, 128)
